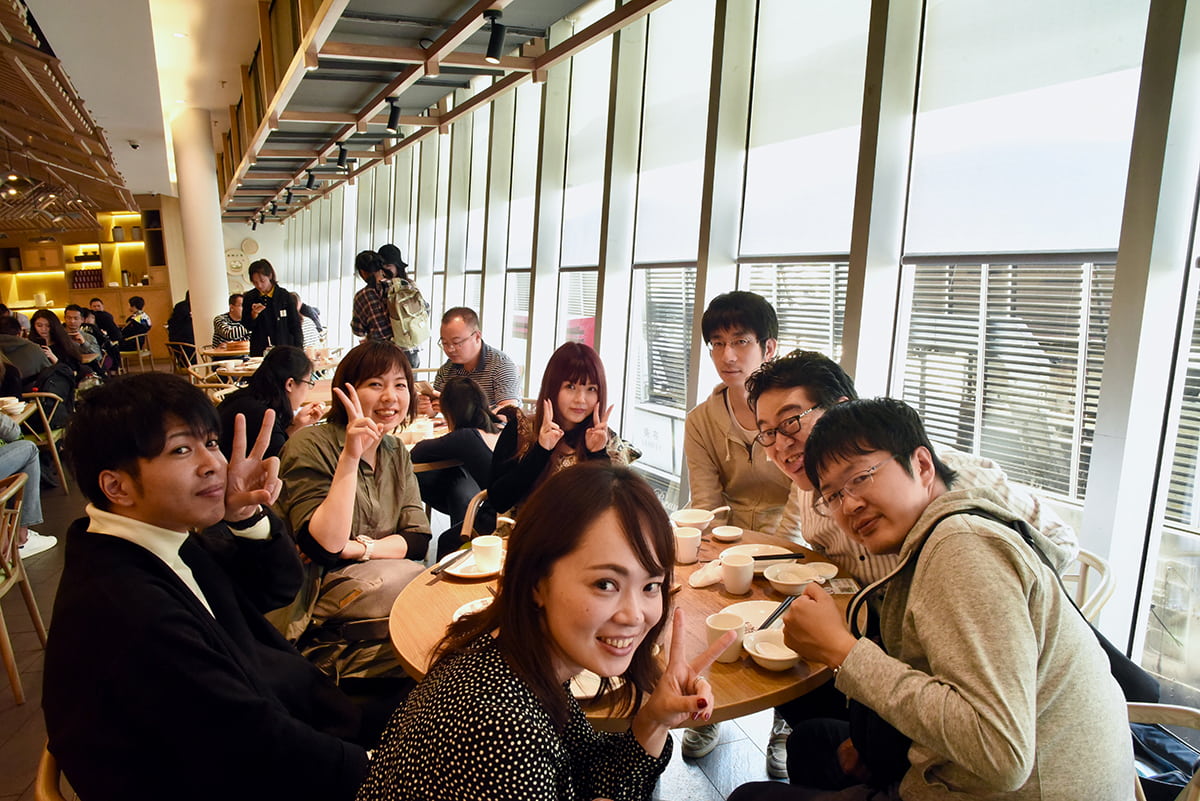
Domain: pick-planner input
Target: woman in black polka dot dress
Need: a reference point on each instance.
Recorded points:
(583, 589)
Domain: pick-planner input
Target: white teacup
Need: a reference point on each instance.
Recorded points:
(487, 551)
(716, 625)
(737, 571)
(687, 545)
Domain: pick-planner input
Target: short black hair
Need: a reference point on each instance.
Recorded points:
(262, 267)
(741, 311)
(368, 261)
(10, 325)
(75, 307)
(235, 296)
(819, 375)
(862, 426)
(468, 316)
(137, 302)
(125, 419)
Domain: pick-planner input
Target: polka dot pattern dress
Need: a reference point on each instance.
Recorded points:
(474, 731)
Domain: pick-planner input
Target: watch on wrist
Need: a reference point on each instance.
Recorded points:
(368, 544)
(249, 522)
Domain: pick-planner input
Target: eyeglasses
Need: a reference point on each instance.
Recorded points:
(827, 504)
(789, 427)
(312, 382)
(739, 344)
(455, 344)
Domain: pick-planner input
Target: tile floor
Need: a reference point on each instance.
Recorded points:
(740, 756)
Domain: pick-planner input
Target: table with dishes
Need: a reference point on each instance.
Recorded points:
(17, 409)
(226, 350)
(752, 681)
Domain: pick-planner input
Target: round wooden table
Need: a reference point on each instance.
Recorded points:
(423, 609)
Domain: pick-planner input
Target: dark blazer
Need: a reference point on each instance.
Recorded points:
(148, 696)
(278, 324)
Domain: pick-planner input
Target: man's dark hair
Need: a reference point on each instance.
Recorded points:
(823, 378)
(137, 302)
(368, 261)
(75, 307)
(4, 310)
(741, 311)
(468, 316)
(93, 300)
(125, 419)
(234, 297)
(10, 325)
(859, 427)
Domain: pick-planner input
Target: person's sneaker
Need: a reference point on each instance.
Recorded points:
(777, 749)
(37, 543)
(700, 741)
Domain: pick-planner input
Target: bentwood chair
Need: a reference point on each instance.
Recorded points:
(45, 437)
(183, 354)
(1093, 583)
(12, 574)
(46, 785)
(137, 346)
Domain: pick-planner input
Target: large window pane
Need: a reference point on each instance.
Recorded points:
(516, 316)
(809, 299)
(577, 307)
(524, 175)
(1024, 124)
(809, 60)
(674, 122)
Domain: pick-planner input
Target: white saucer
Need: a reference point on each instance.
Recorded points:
(471, 607)
(759, 549)
(754, 612)
(726, 533)
(467, 569)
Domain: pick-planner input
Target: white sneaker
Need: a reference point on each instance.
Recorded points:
(37, 543)
(777, 748)
(700, 741)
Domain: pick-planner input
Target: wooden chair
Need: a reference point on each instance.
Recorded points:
(46, 786)
(137, 346)
(183, 354)
(1093, 583)
(12, 574)
(46, 438)
(468, 526)
(1168, 715)
(205, 376)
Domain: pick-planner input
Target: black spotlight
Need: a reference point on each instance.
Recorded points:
(287, 198)
(341, 162)
(311, 182)
(274, 208)
(393, 123)
(253, 225)
(496, 42)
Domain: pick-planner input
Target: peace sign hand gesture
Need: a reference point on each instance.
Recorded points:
(362, 433)
(251, 480)
(596, 437)
(550, 433)
(681, 693)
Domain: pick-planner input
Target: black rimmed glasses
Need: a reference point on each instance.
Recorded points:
(789, 427)
(454, 344)
(858, 484)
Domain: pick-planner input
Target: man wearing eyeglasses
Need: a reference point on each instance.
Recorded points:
(790, 394)
(467, 355)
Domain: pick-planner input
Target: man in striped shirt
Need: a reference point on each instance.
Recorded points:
(790, 394)
(228, 327)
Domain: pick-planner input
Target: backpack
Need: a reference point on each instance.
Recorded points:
(409, 314)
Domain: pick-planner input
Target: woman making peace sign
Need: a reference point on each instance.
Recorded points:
(584, 588)
(571, 426)
(351, 497)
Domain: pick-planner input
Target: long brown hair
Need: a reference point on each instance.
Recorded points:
(552, 523)
(370, 359)
(59, 339)
(578, 363)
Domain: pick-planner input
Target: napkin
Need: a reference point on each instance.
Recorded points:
(709, 574)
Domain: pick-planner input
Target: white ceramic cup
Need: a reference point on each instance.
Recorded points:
(487, 551)
(737, 571)
(687, 545)
(716, 625)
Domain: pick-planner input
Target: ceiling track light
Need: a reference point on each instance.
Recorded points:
(496, 42)
(341, 159)
(287, 198)
(274, 208)
(262, 216)
(393, 123)
(253, 224)
(311, 182)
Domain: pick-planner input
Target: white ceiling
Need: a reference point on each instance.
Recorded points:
(130, 68)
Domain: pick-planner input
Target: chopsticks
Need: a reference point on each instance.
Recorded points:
(437, 570)
(779, 610)
(767, 557)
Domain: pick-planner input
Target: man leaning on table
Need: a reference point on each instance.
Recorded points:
(468, 355)
(228, 327)
(162, 678)
(726, 466)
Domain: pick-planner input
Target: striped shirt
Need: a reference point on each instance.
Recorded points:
(802, 524)
(496, 375)
(227, 329)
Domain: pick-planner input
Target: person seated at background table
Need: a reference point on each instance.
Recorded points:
(571, 426)
(726, 465)
(179, 324)
(229, 327)
(352, 500)
(790, 394)
(467, 355)
(28, 359)
(107, 361)
(51, 336)
(21, 319)
(82, 336)
(309, 332)
(162, 676)
(106, 323)
(273, 317)
(584, 588)
(138, 322)
(983, 662)
(18, 455)
(473, 431)
(281, 384)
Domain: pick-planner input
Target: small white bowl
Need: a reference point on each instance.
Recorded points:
(727, 533)
(790, 578)
(825, 570)
(695, 518)
(767, 649)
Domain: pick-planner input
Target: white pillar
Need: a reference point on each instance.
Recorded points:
(200, 213)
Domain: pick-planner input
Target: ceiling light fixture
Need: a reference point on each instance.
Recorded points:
(311, 182)
(287, 198)
(496, 41)
(253, 224)
(341, 160)
(274, 208)
(393, 122)
(262, 216)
